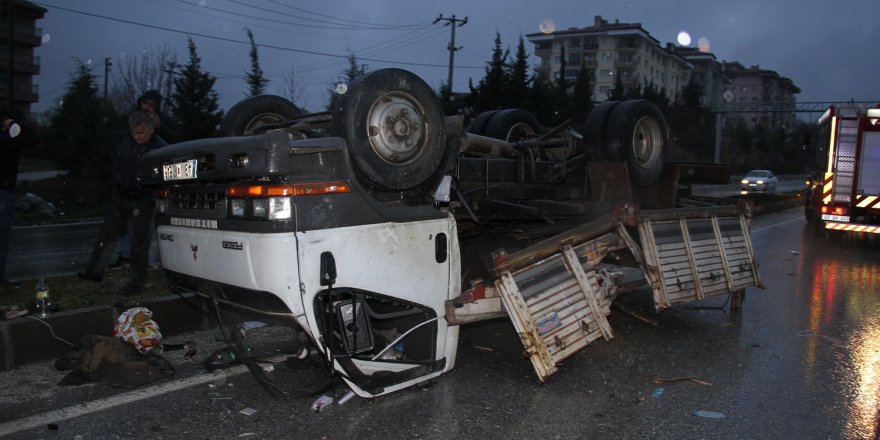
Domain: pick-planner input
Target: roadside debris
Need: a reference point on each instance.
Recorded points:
(248, 411)
(322, 402)
(345, 397)
(136, 326)
(709, 414)
(657, 393)
(13, 311)
(112, 361)
(680, 379)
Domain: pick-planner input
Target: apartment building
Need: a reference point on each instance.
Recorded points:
(19, 35)
(609, 50)
(759, 96)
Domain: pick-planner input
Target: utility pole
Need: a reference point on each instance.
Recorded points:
(170, 71)
(107, 64)
(11, 72)
(452, 22)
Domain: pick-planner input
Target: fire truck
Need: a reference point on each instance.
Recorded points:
(845, 193)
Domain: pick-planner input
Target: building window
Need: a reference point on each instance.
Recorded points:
(603, 90)
(607, 56)
(574, 59)
(589, 60)
(606, 74)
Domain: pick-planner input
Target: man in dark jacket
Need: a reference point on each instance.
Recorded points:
(13, 138)
(151, 101)
(130, 205)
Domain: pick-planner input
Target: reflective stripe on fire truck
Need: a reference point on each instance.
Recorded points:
(867, 201)
(827, 185)
(852, 228)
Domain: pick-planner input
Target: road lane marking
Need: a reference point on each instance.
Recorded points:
(768, 227)
(82, 409)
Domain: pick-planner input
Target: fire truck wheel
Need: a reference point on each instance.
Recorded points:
(593, 128)
(512, 125)
(478, 125)
(392, 122)
(257, 114)
(637, 133)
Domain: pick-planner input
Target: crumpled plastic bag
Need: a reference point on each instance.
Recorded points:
(137, 327)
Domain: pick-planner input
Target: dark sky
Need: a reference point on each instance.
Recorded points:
(829, 49)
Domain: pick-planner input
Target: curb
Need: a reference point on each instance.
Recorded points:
(29, 339)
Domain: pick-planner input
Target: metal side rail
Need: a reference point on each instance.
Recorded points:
(690, 255)
(556, 293)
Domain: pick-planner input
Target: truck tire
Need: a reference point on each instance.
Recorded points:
(478, 125)
(393, 125)
(511, 125)
(594, 126)
(637, 133)
(257, 114)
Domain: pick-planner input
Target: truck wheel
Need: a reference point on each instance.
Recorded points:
(637, 133)
(257, 114)
(593, 128)
(512, 125)
(393, 125)
(478, 125)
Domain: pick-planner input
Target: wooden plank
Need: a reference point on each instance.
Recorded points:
(589, 291)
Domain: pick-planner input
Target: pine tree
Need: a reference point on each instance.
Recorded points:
(519, 76)
(582, 95)
(84, 131)
(255, 79)
(492, 91)
(194, 101)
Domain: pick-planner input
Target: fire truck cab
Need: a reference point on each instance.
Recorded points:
(845, 194)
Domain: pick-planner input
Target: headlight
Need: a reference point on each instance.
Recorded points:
(745, 181)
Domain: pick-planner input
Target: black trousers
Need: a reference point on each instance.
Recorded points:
(137, 214)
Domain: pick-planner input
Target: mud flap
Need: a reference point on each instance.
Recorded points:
(689, 259)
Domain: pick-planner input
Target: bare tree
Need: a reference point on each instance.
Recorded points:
(292, 87)
(152, 69)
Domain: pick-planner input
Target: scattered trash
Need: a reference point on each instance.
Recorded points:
(248, 411)
(345, 398)
(794, 252)
(218, 379)
(322, 402)
(136, 326)
(709, 414)
(250, 325)
(680, 379)
(657, 393)
(31, 202)
(77, 437)
(486, 349)
(268, 368)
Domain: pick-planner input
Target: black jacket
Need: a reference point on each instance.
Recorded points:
(125, 177)
(9, 154)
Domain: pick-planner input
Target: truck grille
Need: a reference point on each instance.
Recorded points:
(199, 200)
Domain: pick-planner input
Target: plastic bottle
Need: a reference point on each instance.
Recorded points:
(41, 298)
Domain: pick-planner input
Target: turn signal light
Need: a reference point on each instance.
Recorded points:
(273, 202)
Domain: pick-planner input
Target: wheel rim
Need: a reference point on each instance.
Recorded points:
(396, 127)
(647, 142)
(256, 124)
(519, 131)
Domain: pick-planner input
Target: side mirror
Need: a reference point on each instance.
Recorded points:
(353, 323)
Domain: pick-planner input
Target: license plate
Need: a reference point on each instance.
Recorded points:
(181, 170)
(835, 218)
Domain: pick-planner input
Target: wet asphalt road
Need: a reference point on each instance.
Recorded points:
(801, 360)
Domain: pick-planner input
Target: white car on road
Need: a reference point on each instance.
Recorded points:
(759, 180)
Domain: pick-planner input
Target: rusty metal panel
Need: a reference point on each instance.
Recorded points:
(559, 305)
(697, 258)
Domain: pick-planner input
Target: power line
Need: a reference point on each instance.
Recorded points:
(363, 25)
(331, 17)
(230, 40)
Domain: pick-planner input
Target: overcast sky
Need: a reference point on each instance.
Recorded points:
(829, 49)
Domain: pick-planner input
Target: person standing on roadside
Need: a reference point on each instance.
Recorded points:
(166, 129)
(13, 138)
(130, 206)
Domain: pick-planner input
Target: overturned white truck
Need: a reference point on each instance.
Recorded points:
(344, 224)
